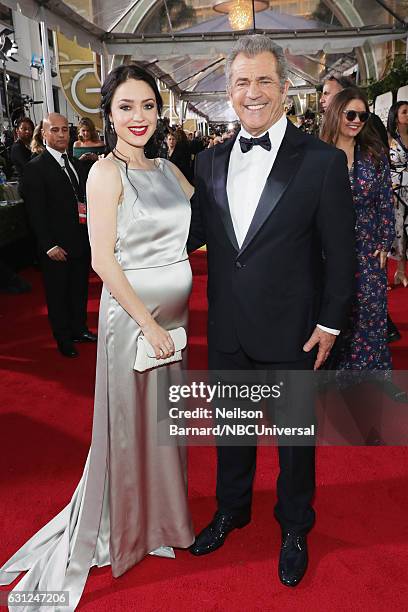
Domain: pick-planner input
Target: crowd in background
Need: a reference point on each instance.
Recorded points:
(171, 141)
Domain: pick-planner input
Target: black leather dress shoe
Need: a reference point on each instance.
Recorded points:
(67, 349)
(293, 558)
(213, 536)
(85, 336)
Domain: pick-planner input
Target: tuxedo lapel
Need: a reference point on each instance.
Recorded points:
(283, 171)
(221, 157)
(59, 173)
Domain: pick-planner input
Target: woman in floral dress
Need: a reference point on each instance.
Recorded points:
(398, 132)
(364, 345)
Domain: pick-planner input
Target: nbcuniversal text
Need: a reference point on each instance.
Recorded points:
(238, 429)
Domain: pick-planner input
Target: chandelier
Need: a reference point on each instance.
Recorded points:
(240, 12)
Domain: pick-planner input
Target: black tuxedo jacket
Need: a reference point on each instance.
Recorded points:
(20, 156)
(182, 159)
(52, 205)
(296, 266)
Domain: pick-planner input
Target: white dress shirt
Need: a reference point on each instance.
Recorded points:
(57, 155)
(247, 174)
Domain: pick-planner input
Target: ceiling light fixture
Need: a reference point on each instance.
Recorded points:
(240, 12)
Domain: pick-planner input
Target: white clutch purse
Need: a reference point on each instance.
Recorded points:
(145, 356)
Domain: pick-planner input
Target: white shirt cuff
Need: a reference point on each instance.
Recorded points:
(335, 332)
(52, 248)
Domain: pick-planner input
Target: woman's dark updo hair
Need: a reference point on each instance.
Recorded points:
(116, 77)
(393, 117)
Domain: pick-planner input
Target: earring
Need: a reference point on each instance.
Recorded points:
(112, 127)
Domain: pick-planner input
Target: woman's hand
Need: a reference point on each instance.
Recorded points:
(382, 256)
(159, 338)
(89, 157)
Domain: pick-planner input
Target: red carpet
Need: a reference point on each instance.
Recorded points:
(358, 548)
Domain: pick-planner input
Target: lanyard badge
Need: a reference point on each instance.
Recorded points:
(82, 212)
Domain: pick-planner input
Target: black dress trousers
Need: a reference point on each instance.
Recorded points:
(66, 290)
(236, 464)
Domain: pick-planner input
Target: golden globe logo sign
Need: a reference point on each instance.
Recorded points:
(82, 90)
(79, 74)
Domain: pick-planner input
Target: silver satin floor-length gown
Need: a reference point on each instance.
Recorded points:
(132, 497)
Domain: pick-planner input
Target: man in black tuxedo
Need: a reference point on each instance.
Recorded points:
(268, 203)
(54, 192)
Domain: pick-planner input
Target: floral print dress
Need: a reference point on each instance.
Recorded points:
(399, 175)
(364, 341)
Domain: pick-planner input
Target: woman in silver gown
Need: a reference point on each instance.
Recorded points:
(132, 497)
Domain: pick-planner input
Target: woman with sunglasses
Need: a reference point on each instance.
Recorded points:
(398, 132)
(364, 345)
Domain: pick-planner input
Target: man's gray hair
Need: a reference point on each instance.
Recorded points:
(254, 45)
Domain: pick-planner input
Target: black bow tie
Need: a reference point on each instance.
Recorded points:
(246, 144)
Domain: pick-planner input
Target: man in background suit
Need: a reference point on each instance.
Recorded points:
(267, 204)
(54, 192)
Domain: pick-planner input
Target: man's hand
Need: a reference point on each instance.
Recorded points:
(57, 254)
(325, 342)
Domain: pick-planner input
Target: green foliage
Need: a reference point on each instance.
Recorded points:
(396, 78)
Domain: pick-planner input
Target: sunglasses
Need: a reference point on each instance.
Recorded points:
(352, 114)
